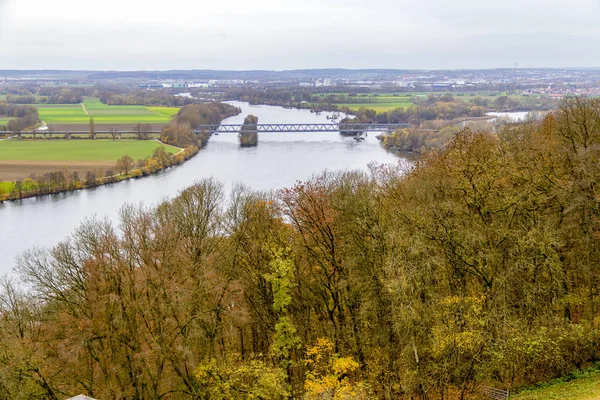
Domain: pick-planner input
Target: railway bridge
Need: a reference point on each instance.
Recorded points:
(288, 128)
(346, 129)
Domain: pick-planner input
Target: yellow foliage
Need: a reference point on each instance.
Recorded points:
(329, 374)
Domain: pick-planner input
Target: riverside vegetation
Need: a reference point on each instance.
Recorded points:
(476, 267)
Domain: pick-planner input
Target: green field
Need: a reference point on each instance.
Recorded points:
(77, 150)
(103, 114)
(381, 102)
(584, 388)
(3, 120)
(379, 107)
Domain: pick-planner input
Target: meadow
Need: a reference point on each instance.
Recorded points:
(379, 107)
(77, 150)
(586, 387)
(79, 114)
(4, 120)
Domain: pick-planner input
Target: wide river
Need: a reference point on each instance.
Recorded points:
(279, 160)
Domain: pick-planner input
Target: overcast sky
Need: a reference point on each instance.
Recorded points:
(293, 34)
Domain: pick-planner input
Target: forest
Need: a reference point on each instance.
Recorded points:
(478, 266)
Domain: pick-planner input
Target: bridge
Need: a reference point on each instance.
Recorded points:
(279, 128)
(286, 128)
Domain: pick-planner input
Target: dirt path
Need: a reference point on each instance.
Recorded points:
(84, 110)
(168, 145)
(11, 170)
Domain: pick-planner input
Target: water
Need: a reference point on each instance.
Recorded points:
(279, 160)
(516, 116)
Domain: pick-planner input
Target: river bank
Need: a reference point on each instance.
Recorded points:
(61, 181)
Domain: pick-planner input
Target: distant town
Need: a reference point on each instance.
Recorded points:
(556, 83)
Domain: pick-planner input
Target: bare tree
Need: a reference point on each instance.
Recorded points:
(92, 128)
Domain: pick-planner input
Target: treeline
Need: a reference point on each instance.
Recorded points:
(181, 132)
(477, 266)
(49, 95)
(456, 103)
(64, 181)
(23, 116)
(423, 112)
(144, 97)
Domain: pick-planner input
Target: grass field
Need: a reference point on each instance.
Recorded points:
(78, 114)
(584, 388)
(3, 120)
(379, 107)
(77, 150)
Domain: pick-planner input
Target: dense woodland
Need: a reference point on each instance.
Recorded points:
(22, 117)
(479, 265)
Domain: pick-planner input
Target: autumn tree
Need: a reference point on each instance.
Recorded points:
(125, 164)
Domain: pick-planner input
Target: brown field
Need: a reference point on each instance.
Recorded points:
(11, 170)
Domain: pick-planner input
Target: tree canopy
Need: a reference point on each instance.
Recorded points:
(478, 266)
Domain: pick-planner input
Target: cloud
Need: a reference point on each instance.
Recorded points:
(281, 34)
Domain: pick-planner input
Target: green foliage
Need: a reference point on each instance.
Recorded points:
(285, 338)
(241, 380)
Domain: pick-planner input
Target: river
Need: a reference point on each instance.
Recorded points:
(279, 160)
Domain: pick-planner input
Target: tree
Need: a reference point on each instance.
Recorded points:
(113, 133)
(139, 131)
(161, 156)
(145, 131)
(125, 164)
(92, 131)
(90, 179)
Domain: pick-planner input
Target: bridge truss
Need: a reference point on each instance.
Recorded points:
(283, 128)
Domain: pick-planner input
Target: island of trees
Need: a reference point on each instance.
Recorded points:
(476, 267)
(249, 134)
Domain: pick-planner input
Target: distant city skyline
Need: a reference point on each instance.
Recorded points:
(286, 35)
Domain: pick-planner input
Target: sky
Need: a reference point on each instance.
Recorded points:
(286, 34)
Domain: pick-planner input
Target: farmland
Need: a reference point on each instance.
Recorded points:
(382, 102)
(77, 116)
(379, 102)
(19, 159)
